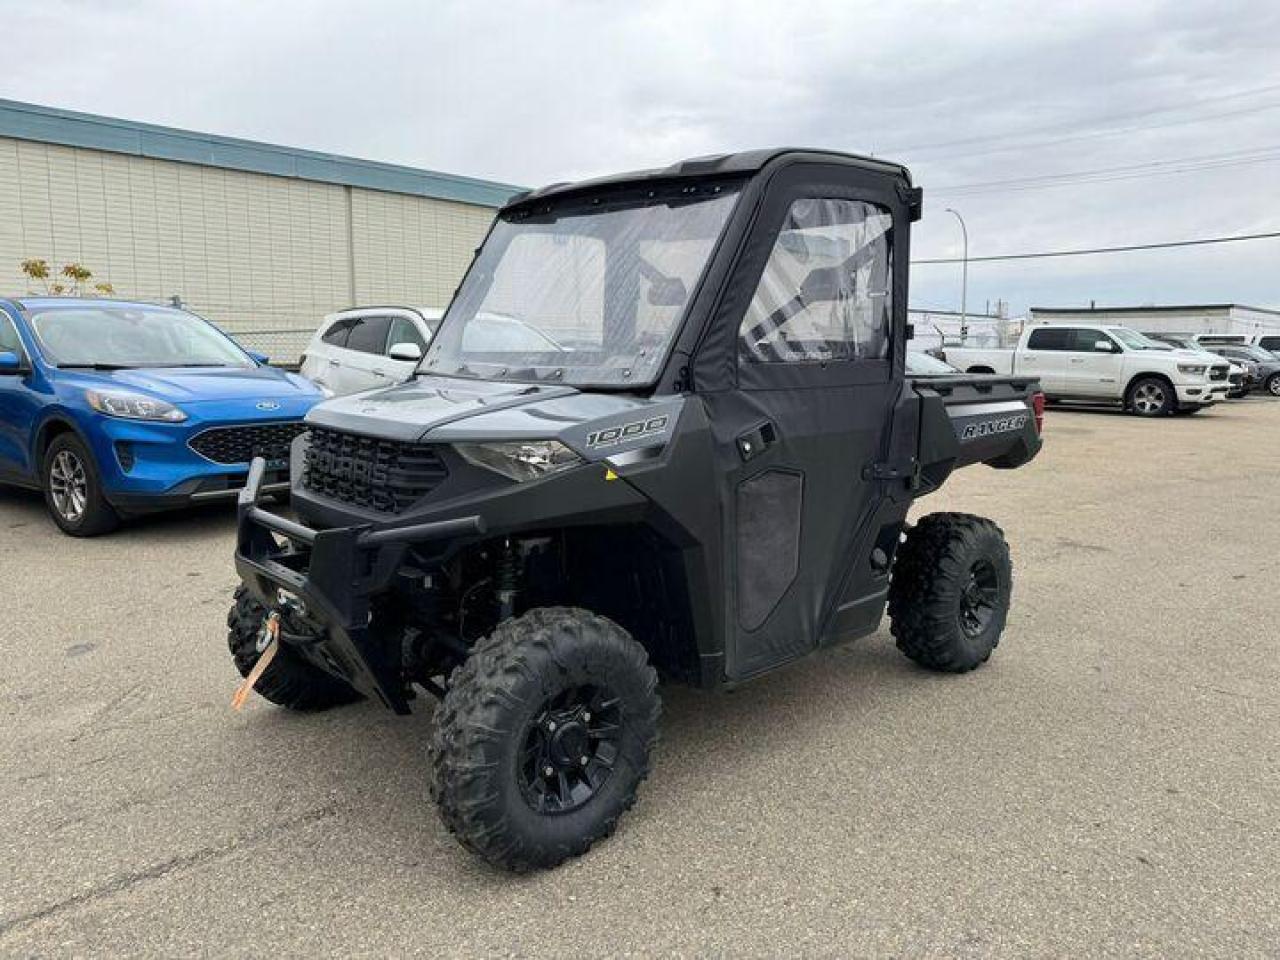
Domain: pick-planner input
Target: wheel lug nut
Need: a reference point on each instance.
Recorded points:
(586, 717)
(548, 771)
(551, 725)
(585, 761)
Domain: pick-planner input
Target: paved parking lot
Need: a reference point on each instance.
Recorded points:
(1108, 784)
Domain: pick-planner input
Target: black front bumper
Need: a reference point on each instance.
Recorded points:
(331, 576)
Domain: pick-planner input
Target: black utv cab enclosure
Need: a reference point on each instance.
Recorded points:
(665, 426)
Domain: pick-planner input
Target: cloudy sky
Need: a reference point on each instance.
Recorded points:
(1164, 116)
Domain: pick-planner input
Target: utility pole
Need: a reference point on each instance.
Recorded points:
(964, 278)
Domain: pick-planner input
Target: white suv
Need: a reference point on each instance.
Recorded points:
(368, 347)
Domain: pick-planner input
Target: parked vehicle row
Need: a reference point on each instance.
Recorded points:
(1149, 375)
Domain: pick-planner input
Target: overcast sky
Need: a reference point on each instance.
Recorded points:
(965, 93)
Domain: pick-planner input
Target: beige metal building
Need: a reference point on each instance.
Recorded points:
(1233, 318)
(263, 240)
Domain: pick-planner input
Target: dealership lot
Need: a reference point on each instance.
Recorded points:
(1107, 784)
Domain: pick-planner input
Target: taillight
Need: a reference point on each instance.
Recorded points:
(1037, 407)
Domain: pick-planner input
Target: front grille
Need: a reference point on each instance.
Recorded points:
(383, 475)
(243, 442)
(1218, 373)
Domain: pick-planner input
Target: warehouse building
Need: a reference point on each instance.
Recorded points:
(1227, 318)
(263, 240)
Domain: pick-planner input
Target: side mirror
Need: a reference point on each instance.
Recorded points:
(260, 358)
(405, 351)
(1104, 346)
(10, 362)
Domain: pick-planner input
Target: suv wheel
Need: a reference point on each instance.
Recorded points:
(73, 491)
(1273, 384)
(289, 681)
(1151, 397)
(544, 737)
(949, 596)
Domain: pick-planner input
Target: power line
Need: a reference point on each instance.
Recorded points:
(1094, 250)
(1111, 174)
(1052, 128)
(1095, 134)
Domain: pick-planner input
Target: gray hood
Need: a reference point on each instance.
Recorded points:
(451, 410)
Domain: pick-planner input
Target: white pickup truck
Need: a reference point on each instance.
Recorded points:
(1099, 363)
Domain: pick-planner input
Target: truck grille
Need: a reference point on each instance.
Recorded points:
(243, 442)
(383, 475)
(1218, 372)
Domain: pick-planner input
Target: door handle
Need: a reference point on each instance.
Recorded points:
(334, 363)
(757, 440)
(1077, 359)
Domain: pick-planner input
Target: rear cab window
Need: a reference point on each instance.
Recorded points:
(337, 334)
(369, 335)
(1051, 338)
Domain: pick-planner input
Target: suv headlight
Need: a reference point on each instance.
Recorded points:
(1197, 368)
(520, 459)
(133, 406)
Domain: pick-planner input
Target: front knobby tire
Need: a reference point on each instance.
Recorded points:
(949, 596)
(544, 737)
(290, 681)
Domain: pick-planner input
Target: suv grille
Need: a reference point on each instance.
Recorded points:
(1218, 373)
(383, 475)
(242, 443)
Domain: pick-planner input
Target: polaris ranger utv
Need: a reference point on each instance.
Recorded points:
(664, 429)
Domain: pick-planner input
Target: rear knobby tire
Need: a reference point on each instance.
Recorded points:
(290, 681)
(949, 597)
(507, 788)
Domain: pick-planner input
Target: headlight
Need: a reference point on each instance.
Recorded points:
(520, 459)
(1192, 368)
(133, 406)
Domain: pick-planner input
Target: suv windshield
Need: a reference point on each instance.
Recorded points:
(588, 294)
(132, 336)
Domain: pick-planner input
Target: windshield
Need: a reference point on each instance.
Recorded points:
(1134, 340)
(132, 336)
(591, 295)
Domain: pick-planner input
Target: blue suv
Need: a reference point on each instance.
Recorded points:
(115, 408)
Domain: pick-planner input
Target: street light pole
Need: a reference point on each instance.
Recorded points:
(964, 278)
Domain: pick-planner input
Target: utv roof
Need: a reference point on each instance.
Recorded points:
(721, 164)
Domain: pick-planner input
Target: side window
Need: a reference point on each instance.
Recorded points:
(1269, 343)
(369, 335)
(825, 293)
(405, 331)
(1051, 338)
(337, 334)
(9, 340)
(1085, 341)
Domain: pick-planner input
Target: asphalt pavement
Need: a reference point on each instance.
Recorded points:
(1109, 784)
